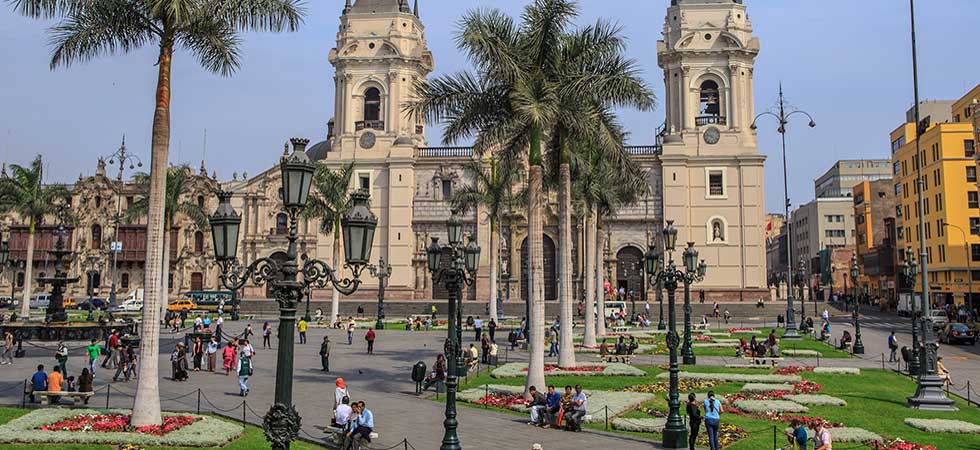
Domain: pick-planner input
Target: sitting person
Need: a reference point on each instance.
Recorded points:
(603, 349)
(537, 403)
(743, 348)
(845, 340)
(579, 405)
(553, 406)
(632, 346)
(704, 321)
(341, 415)
(438, 374)
(471, 356)
(362, 427)
(825, 331)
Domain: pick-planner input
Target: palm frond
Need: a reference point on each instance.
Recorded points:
(46, 9)
(103, 28)
(214, 41)
(260, 15)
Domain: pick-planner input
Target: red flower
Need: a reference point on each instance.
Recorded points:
(501, 400)
(549, 368)
(792, 370)
(112, 423)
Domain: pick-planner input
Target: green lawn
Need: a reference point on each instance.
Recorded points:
(876, 402)
(251, 439)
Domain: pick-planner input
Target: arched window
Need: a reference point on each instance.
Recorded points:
(96, 237)
(710, 103)
(372, 105)
(282, 224)
(20, 279)
(125, 281)
(199, 242)
(200, 201)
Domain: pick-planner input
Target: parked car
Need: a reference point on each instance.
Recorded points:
(955, 333)
(68, 303)
(181, 304)
(96, 304)
(939, 318)
(40, 301)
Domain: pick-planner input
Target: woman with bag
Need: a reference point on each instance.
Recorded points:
(712, 419)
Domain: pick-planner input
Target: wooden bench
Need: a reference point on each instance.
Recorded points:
(77, 398)
(621, 329)
(627, 359)
(699, 326)
(774, 360)
(337, 434)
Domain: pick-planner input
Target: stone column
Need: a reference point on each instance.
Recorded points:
(735, 96)
(688, 110)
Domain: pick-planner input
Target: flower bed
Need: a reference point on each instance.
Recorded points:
(816, 400)
(792, 370)
(513, 370)
(203, 431)
(114, 423)
(735, 377)
(943, 426)
(703, 338)
(764, 406)
(747, 366)
(652, 425)
(683, 385)
(848, 434)
(728, 434)
(764, 387)
(742, 330)
(806, 387)
(838, 370)
(902, 445)
(798, 352)
(508, 397)
(714, 345)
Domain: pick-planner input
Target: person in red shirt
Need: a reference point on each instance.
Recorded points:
(369, 337)
(111, 343)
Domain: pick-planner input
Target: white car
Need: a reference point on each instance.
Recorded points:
(938, 317)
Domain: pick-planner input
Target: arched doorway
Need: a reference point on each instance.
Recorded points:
(550, 269)
(197, 281)
(629, 270)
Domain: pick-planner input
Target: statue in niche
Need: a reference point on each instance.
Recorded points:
(717, 235)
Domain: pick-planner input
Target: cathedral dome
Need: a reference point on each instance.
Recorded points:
(318, 151)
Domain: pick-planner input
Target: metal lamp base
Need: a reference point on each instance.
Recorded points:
(929, 395)
(675, 438)
(661, 325)
(791, 334)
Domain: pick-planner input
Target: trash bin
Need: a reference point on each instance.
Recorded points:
(418, 375)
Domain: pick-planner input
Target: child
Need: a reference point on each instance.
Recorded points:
(70, 384)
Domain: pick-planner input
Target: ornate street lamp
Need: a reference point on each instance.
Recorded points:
(910, 270)
(858, 347)
(675, 433)
(693, 272)
(461, 271)
(282, 422)
(783, 116)
(802, 273)
(381, 271)
(121, 157)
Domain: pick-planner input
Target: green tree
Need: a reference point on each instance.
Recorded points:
(210, 30)
(328, 203)
(24, 194)
(492, 188)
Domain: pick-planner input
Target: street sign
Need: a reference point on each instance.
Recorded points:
(116, 247)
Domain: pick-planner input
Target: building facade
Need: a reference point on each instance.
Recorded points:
(951, 207)
(847, 173)
(875, 234)
(822, 223)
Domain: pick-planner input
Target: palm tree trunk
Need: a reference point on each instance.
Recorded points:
(165, 270)
(146, 406)
(600, 286)
(566, 352)
(535, 372)
(25, 303)
(335, 299)
(493, 270)
(589, 340)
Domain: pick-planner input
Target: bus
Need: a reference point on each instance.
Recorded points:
(209, 300)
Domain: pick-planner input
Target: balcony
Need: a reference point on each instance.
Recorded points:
(369, 125)
(710, 120)
(644, 150)
(444, 152)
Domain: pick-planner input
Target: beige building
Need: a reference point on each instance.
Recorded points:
(821, 224)
(847, 173)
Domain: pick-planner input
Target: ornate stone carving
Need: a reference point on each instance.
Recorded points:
(281, 425)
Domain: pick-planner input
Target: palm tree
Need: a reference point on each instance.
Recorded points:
(175, 203)
(492, 188)
(210, 31)
(23, 193)
(329, 203)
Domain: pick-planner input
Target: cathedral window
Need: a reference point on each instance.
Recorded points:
(96, 237)
(710, 103)
(200, 201)
(282, 224)
(372, 105)
(447, 190)
(198, 242)
(715, 183)
(125, 281)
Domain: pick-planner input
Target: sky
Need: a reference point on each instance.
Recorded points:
(846, 62)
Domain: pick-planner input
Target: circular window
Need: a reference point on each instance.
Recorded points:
(371, 45)
(707, 37)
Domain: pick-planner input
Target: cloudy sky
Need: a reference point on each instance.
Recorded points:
(846, 62)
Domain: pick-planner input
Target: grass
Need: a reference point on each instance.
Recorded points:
(251, 439)
(876, 402)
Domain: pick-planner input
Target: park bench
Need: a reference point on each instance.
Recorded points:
(78, 398)
(774, 360)
(699, 326)
(621, 330)
(337, 434)
(627, 359)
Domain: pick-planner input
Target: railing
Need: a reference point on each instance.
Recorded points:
(644, 150)
(369, 124)
(710, 120)
(444, 152)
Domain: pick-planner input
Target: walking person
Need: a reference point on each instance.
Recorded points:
(198, 351)
(301, 326)
(93, 351)
(178, 362)
(8, 348)
(821, 438)
(266, 335)
(247, 334)
(350, 333)
(244, 370)
(798, 436)
(892, 347)
(131, 359)
(228, 357)
(478, 328)
(217, 326)
(62, 357)
(492, 328)
(369, 337)
(121, 362)
(211, 351)
(712, 419)
(340, 392)
(111, 342)
(694, 418)
(325, 354)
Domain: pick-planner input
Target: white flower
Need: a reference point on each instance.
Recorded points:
(761, 406)
(654, 425)
(735, 377)
(816, 400)
(514, 370)
(943, 426)
(838, 370)
(797, 352)
(764, 387)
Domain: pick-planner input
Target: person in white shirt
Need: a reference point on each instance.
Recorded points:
(247, 348)
(341, 416)
(340, 392)
(579, 407)
(198, 323)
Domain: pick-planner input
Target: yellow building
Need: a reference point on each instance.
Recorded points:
(951, 206)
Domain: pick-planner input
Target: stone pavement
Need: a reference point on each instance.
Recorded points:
(381, 380)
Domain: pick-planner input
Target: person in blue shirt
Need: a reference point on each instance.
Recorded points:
(39, 382)
(552, 406)
(797, 437)
(893, 348)
(364, 423)
(712, 419)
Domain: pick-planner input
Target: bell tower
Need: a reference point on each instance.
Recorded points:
(712, 169)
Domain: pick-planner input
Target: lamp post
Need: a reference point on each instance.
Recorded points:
(858, 347)
(910, 270)
(675, 433)
(460, 271)
(929, 391)
(282, 422)
(803, 285)
(783, 116)
(122, 157)
(381, 271)
(693, 272)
